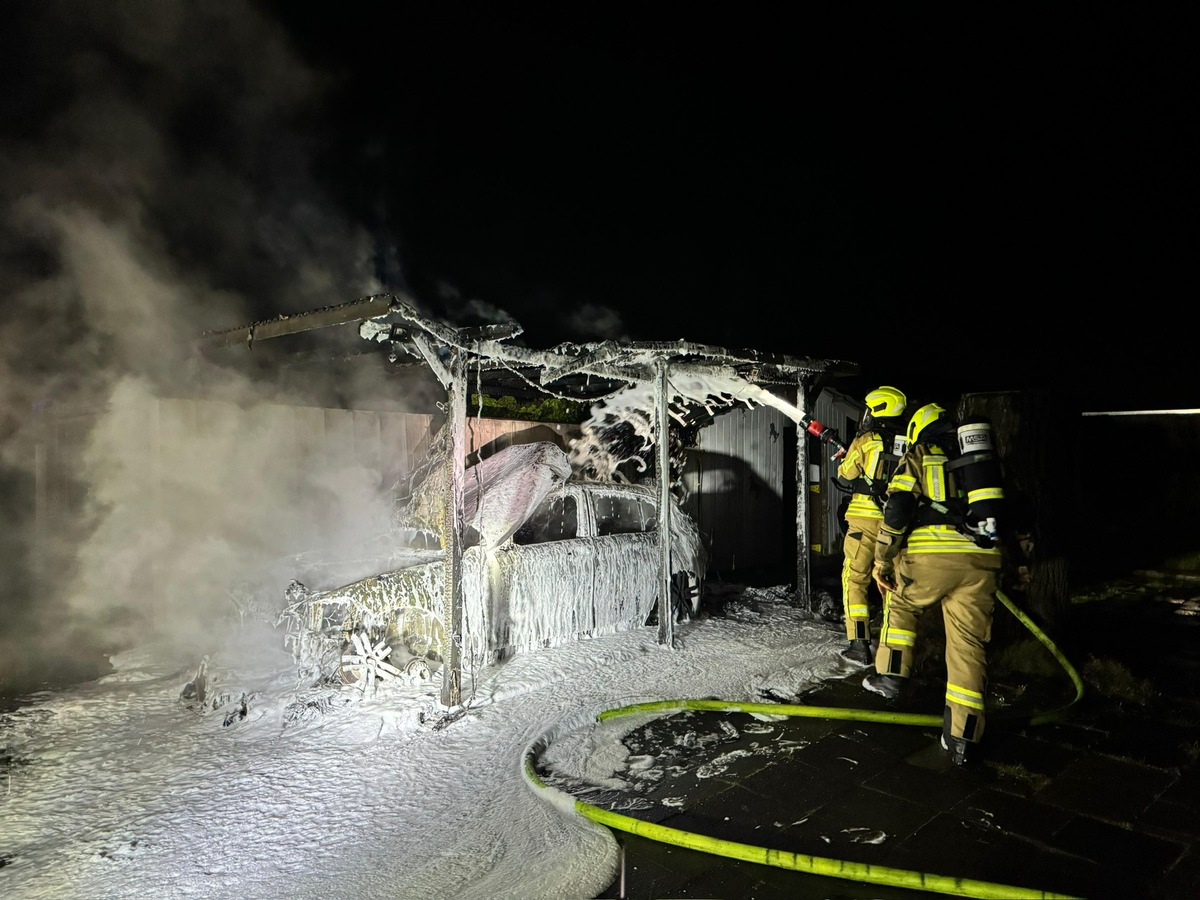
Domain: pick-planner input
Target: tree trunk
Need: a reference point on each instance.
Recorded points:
(1028, 428)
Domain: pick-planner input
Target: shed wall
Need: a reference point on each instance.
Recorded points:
(734, 480)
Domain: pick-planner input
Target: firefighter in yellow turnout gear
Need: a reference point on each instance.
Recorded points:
(938, 544)
(866, 468)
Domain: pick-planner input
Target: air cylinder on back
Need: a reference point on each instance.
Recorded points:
(980, 478)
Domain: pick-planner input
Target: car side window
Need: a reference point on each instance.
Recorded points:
(555, 519)
(623, 515)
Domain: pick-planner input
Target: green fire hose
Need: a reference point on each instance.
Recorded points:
(816, 865)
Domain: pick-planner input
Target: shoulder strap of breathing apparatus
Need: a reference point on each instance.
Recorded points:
(875, 483)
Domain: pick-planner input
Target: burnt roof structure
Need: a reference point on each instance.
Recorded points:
(581, 372)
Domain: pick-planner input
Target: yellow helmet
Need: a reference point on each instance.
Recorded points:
(922, 419)
(885, 402)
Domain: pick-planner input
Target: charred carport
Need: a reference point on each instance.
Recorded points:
(679, 384)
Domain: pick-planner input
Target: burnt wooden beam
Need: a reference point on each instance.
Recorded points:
(247, 335)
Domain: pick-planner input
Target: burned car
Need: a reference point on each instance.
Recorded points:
(547, 559)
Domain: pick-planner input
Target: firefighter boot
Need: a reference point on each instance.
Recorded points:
(887, 686)
(859, 651)
(960, 750)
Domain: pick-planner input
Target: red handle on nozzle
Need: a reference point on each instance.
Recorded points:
(827, 436)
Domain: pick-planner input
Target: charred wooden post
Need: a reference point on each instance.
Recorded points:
(452, 530)
(803, 525)
(666, 615)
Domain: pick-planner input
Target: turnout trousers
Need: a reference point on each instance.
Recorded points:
(858, 548)
(965, 585)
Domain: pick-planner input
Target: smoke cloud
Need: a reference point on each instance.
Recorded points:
(158, 182)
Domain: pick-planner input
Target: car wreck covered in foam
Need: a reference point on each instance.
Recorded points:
(548, 558)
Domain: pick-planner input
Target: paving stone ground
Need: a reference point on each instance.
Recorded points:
(1100, 802)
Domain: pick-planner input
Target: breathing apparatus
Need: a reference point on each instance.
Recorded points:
(980, 478)
(978, 475)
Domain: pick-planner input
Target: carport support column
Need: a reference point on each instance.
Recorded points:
(666, 615)
(803, 525)
(452, 512)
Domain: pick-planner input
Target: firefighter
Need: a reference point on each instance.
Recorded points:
(865, 470)
(937, 544)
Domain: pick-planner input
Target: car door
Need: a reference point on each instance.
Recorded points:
(548, 574)
(627, 555)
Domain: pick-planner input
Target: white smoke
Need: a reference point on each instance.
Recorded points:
(159, 183)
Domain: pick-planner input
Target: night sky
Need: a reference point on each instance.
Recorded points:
(956, 205)
(955, 202)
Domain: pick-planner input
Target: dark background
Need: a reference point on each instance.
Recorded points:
(954, 201)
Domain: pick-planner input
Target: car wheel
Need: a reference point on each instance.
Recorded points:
(364, 662)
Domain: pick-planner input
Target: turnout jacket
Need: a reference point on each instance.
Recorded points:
(925, 512)
(864, 467)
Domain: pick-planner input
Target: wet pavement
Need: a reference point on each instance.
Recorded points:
(1102, 800)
